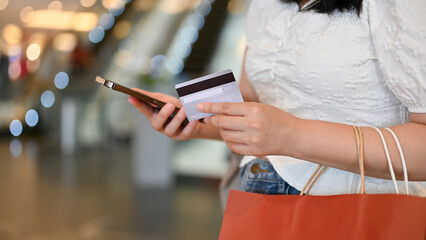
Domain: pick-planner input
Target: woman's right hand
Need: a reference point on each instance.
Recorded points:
(158, 119)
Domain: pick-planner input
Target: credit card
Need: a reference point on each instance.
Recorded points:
(216, 87)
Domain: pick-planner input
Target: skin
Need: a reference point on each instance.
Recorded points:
(256, 129)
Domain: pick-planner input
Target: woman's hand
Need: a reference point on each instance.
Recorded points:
(158, 119)
(253, 128)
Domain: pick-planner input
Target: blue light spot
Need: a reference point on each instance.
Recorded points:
(96, 34)
(106, 21)
(189, 34)
(196, 20)
(61, 80)
(15, 128)
(31, 117)
(175, 65)
(182, 49)
(203, 7)
(118, 9)
(47, 98)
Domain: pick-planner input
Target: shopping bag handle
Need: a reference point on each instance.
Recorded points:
(360, 151)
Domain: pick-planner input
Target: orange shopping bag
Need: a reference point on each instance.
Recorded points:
(351, 216)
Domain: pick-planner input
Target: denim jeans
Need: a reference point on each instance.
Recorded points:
(259, 176)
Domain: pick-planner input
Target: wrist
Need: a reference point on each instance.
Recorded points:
(295, 134)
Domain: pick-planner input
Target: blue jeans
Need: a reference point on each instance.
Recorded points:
(259, 176)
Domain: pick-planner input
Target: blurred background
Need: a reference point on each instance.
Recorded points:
(77, 161)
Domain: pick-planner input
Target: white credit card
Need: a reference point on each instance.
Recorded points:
(216, 87)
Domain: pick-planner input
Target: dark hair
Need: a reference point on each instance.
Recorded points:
(329, 6)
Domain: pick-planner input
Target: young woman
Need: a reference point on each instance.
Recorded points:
(311, 70)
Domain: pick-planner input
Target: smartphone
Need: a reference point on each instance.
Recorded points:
(156, 104)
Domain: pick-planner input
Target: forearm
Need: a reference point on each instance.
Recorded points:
(334, 145)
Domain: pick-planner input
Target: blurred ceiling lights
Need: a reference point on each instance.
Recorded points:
(63, 20)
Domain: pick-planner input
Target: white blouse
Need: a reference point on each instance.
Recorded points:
(368, 71)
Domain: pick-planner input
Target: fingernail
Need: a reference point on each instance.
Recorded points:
(200, 107)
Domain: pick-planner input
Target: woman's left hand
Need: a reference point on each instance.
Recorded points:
(252, 128)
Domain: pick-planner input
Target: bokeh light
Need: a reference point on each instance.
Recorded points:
(175, 65)
(96, 34)
(24, 15)
(117, 8)
(196, 20)
(15, 127)
(203, 7)
(31, 117)
(14, 53)
(189, 34)
(15, 147)
(65, 42)
(12, 34)
(61, 80)
(106, 21)
(87, 3)
(55, 6)
(47, 98)
(3, 4)
(182, 49)
(33, 51)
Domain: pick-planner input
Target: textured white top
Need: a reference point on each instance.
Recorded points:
(368, 71)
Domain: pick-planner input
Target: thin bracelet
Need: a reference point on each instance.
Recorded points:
(404, 164)
(385, 146)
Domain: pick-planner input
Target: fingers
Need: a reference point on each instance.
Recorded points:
(174, 125)
(235, 109)
(161, 117)
(227, 122)
(142, 107)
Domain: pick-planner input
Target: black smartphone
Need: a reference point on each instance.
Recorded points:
(156, 104)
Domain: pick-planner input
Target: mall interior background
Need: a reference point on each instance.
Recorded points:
(77, 161)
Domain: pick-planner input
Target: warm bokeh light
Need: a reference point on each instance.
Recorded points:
(83, 22)
(174, 6)
(87, 3)
(122, 29)
(24, 14)
(33, 51)
(3, 4)
(55, 5)
(65, 42)
(110, 3)
(12, 34)
(63, 20)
